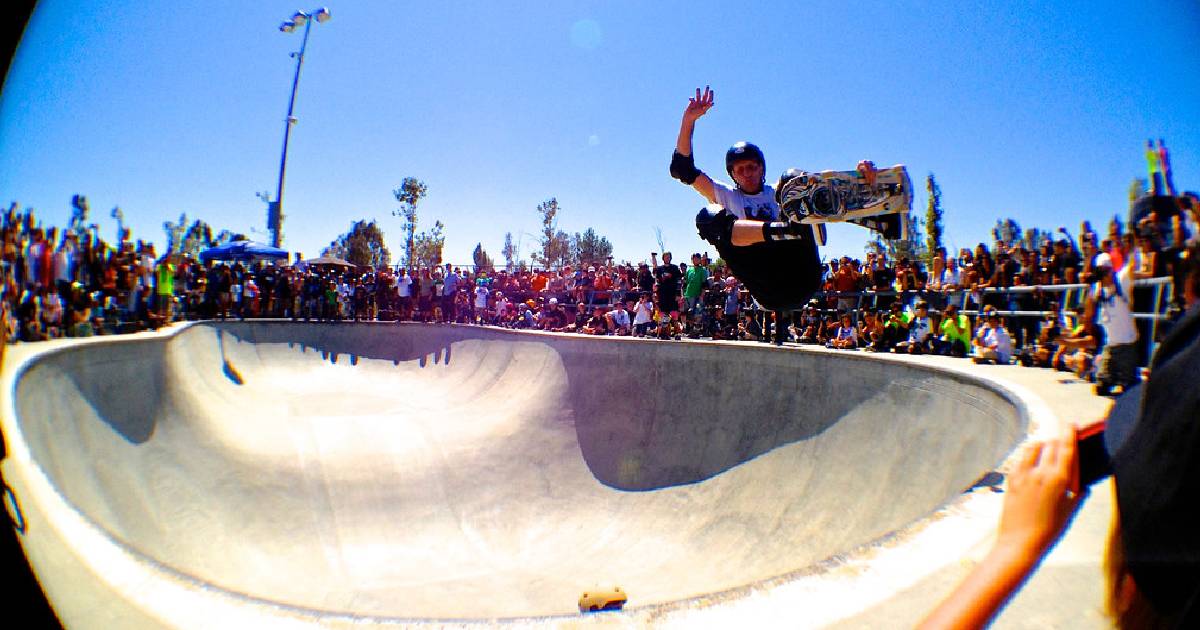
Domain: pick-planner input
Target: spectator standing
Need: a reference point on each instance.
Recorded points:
(643, 314)
(404, 284)
(881, 278)
(1112, 294)
(645, 278)
(846, 280)
(695, 280)
(449, 289)
(481, 303)
(732, 299)
(500, 307)
(667, 277)
(165, 288)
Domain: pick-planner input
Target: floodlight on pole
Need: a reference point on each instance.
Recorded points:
(275, 208)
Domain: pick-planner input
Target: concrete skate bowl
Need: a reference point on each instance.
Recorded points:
(394, 472)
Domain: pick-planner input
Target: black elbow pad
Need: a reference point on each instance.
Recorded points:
(716, 227)
(683, 168)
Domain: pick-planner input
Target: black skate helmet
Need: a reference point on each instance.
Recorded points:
(745, 151)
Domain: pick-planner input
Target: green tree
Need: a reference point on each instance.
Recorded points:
(197, 238)
(933, 215)
(190, 240)
(590, 248)
(175, 232)
(409, 194)
(1007, 231)
(556, 244)
(363, 246)
(910, 244)
(509, 252)
(483, 262)
(1034, 237)
(79, 216)
(122, 233)
(428, 246)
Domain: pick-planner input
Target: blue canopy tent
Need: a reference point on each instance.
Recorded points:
(243, 251)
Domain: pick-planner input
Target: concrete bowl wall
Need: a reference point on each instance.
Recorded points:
(309, 473)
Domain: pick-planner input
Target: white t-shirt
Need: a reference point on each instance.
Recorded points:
(481, 296)
(760, 207)
(62, 264)
(1115, 314)
(644, 313)
(998, 339)
(404, 284)
(620, 317)
(951, 277)
(918, 329)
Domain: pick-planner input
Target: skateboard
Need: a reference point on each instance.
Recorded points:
(860, 196)
(602, 599)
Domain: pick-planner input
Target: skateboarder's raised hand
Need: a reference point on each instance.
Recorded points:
(683, 166)
(699, 105)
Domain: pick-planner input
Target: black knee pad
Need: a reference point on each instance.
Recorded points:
(715, 227)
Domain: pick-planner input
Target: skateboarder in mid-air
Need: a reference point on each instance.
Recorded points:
(776, 259)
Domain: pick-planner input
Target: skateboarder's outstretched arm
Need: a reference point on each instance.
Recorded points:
(683, 167)
(683, 164)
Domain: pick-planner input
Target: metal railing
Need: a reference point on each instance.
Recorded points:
(1071, 297)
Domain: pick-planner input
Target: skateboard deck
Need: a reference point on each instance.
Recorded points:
(833, 196)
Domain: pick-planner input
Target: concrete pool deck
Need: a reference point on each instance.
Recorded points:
(895, 560)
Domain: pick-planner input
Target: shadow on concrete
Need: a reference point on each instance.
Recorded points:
(121, 383)
(635, 431)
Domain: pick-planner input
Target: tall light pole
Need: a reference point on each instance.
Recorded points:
(275, 208)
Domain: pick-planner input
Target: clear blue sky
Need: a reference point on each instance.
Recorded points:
(1036, 111)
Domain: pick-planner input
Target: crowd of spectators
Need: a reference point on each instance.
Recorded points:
(60, 283)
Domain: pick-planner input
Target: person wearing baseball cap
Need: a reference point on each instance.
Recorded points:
(1152, 439)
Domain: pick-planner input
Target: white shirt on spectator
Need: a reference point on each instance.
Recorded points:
(64, 260)
(918, 329)
(620, 318)
(404, 285)
(644, 313)
(951, 277)
(1191, 229)
(1114, 312)
(33, 262)
(997, 338)
(481, 296)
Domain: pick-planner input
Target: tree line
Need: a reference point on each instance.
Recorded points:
(364, 243)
